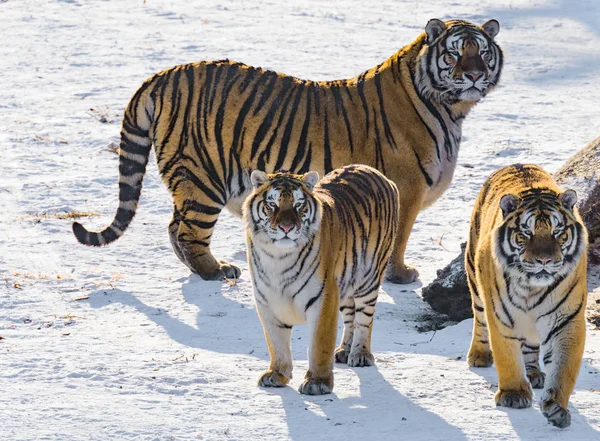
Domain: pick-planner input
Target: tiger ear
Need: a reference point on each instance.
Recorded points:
(491, 27)
(509, 203)
(434, 29)
(568, 199)
(311, 179)
(258, 178)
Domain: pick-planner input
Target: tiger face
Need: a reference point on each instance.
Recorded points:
(282, 210)
(540, 238)
(460, 62)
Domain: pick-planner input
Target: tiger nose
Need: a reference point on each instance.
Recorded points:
(544, 260)
(474, 75)
(286, 227)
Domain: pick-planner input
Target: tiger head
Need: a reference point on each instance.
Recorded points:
(540, 238)
(282, 210)
(459, 61)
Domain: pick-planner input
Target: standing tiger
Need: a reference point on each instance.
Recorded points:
(212, 123)
(311, 249)
(526, 269)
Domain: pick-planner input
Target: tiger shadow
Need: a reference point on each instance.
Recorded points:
(212, 330)
(377, 399)
(530, 422)
(377, 411)
(395, 316)
(219, 305)
(452, 343)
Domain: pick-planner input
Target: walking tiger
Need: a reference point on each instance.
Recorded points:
(526, 269)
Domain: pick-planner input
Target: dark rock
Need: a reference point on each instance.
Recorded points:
(593, 313)
(582, 173)
(449, 293)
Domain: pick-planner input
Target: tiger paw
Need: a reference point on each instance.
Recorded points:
(555, 414)
(316, 386)
(401, 276)
(223, 271)
(517, 399)
(537, 379)
(230, 271)
(341, 355)
(272, 378)
(480, 358)
(361, 359)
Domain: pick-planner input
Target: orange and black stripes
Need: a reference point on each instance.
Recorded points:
(314, 248)
(134, 151)
(212, 123)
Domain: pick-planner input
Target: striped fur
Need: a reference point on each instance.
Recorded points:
(212, 123)
(312, 251)
(526, 269)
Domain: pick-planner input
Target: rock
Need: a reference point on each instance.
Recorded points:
(582, 173)
(593, 309)
(449, 294)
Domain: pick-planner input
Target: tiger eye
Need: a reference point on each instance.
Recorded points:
(450, 58)
(562, 238)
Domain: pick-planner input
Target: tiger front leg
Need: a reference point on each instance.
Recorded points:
(321, 317)
(191, 231)
(514, 389)
(563, 352)
(397, 270)
(278, 336)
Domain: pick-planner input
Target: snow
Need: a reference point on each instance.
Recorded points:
(123, 343)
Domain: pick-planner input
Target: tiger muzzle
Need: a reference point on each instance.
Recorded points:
(286, 220)
(543, 250)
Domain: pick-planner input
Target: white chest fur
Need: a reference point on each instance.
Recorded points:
(285, 281)
(530, 310)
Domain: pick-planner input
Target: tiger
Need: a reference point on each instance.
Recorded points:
(315, 247)
(212, 123)
(526, 266)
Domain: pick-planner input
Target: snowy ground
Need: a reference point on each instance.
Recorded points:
(122, 343)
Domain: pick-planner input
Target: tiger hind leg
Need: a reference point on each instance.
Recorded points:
(343, 350)
(173, 229)
(531, 357)
(190, 232)
(360, 352)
